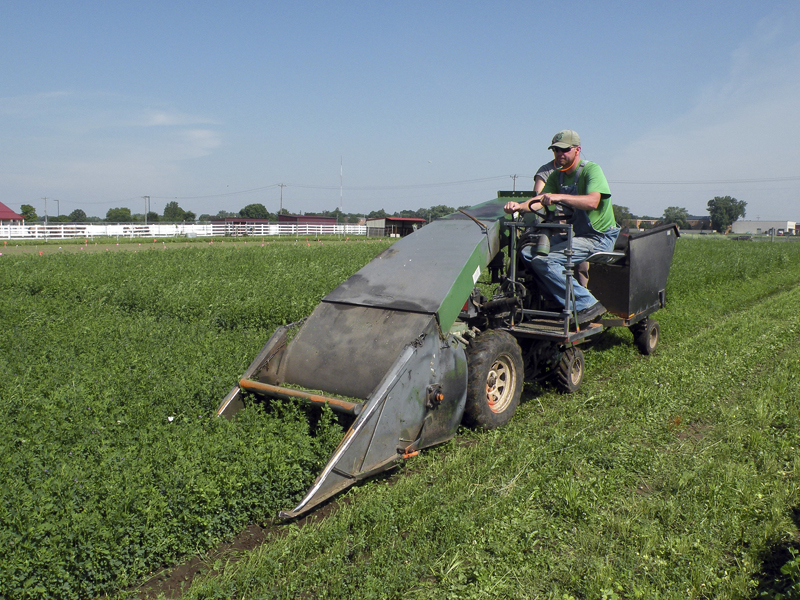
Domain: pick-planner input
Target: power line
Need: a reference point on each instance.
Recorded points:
(422, 186)
(706, 181)
(413, 186)
(266, 187)
(339, 187)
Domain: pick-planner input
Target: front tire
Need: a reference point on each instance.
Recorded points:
(494, 380)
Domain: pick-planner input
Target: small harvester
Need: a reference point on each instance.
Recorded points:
(409, 348)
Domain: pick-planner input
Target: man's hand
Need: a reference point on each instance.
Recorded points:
(548, 199)
(512, 207)
(534, 203)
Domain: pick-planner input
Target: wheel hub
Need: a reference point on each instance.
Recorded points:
(500, 385)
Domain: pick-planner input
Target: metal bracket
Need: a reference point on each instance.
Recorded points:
(433, 395)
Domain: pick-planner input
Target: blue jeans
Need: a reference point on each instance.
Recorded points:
(549, 270)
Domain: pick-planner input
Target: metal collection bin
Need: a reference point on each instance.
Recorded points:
(635, 284)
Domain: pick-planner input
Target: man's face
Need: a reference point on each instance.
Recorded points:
(564, 156)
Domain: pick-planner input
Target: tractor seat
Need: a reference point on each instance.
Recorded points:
(606, 258)
(619, 253)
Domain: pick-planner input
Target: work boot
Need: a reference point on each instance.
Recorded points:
(595, 311)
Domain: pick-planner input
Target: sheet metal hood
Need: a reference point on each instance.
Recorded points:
(431, 271)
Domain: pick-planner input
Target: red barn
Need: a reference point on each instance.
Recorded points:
(6, 214)
(306, 220)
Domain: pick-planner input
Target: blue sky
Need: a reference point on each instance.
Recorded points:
(415, 103)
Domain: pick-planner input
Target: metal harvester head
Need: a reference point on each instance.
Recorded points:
(379, 348)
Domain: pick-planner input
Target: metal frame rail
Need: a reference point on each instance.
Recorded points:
(542, 324)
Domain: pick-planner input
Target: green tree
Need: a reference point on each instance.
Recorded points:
(119, 215)
(724, 210)
(28, 212)
(377, 214)
(153, 217)
(440, 210)
(254, 211)
(77, 216)
(223, 214)
(679, 216)
(173, 213)
(622, 215)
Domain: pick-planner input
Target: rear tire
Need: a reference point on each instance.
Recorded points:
(569, 375)
(494, 380)
(645, 336)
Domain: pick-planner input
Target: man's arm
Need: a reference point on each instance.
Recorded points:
(525, 206)
(584, 202)
(588, 201)
(542, 174)
(596, 187)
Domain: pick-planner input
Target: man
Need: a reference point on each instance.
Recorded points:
(541, 176)
(581, 186)
(582, 269)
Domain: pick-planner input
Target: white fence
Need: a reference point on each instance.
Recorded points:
(62, 231)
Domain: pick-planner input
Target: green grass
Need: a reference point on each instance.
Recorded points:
(124, 243)
(111, 368)
(671, 476)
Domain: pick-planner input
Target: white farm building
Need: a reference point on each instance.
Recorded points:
(766, 227)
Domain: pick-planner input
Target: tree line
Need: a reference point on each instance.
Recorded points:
(723, 211)
(173, 213)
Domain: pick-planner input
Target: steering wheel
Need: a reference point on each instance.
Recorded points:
(563, 213)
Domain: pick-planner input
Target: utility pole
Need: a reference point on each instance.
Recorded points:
(58, 207)
(514, 185)
(341, 173)
(146, 207)
(282, 185)
(45, 210)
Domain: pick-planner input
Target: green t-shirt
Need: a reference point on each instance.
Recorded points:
(591, 180)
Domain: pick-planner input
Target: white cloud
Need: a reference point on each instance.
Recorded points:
(30, 105)
(158, 118)
(744, 125)
(87, 144)
(67, 110)
(201, 139)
